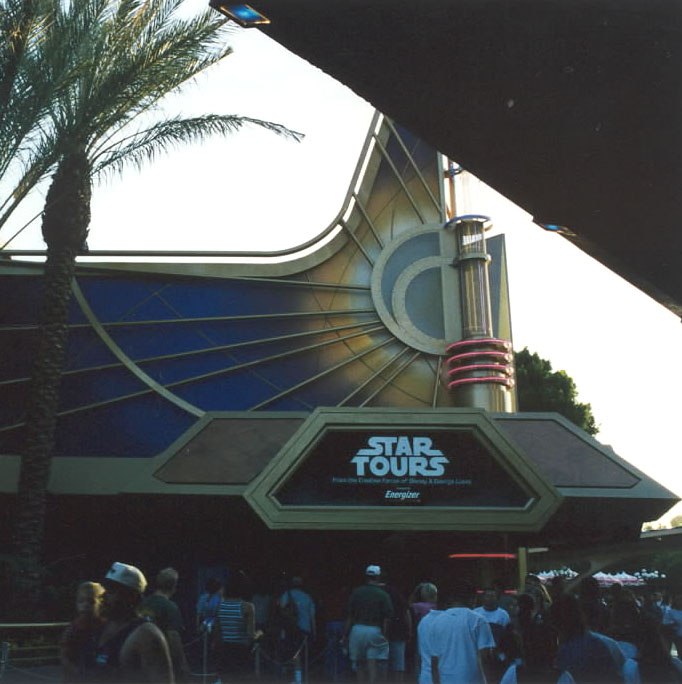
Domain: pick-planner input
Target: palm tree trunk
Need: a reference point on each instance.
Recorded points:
(65, 222)
(41, 419)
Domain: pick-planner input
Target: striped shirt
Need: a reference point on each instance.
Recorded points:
(232, 623)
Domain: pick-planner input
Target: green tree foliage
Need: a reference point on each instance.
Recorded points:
(542, 389)
(110, 62)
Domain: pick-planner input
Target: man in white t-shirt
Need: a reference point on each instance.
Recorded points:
(490, 610)
(455, 644)
(498, 618)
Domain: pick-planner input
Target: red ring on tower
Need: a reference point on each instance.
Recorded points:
(483, 360)
(504, 344)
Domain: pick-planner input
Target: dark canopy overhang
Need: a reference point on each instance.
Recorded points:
(571, 108)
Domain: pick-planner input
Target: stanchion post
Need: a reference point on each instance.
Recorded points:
(204, 657)
(297, 669)
(306, 660)
(336, 646)
(296, 661)
(4, 657)
(256, 663)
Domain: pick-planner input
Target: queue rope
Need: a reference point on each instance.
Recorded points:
(35, 675)
(322, 653)
(263, 653)
(257, 648)
(291, 661)
(300, 648)
(274, 661)
(193, 641)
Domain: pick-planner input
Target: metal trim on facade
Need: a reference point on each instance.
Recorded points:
(543, 496)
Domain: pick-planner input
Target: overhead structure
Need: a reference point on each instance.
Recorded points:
(571, 109)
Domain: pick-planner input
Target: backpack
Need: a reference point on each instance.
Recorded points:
(288, 615)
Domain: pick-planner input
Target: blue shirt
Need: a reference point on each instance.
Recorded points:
(588, 659)
(305, 608)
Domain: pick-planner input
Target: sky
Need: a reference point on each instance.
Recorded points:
(256, 191)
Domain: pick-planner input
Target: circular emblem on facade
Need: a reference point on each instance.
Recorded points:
(409, 281)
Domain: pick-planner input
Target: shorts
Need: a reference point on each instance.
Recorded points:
(396, 656)
(366, 642)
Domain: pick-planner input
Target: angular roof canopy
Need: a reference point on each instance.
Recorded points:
(571, 108)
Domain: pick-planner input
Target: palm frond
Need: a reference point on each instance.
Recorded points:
(92, 69)
(144, 146)
(40, 157)
(167, 55)
(23, 96)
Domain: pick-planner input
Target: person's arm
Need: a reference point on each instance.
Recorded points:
(408, 624)
(313, 625)
(201, 607)
(150, 649)
(486, 658)
(347, 627)
(506, 619)
(215, 634)
(435, 674)
(177, 651)
(486, 650)
(426, 653)
(69, 666)
(388, 614)
(249, 613)
(67, 655)
(173, 635)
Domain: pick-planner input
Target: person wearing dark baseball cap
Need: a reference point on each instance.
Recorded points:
(369, 609)
(130, 648)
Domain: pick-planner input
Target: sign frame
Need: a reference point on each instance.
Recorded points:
(544, 498)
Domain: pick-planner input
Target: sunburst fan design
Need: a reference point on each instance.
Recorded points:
(155, 346)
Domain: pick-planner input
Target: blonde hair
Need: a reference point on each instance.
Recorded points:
(94, 588)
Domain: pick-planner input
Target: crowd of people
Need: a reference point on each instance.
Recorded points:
(452, 634)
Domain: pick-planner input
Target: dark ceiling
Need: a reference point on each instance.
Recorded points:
(572, 109)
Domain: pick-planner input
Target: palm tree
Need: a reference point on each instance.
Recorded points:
(121, 57)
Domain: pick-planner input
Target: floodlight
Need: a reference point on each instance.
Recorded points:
(244, 15)
(554, 228)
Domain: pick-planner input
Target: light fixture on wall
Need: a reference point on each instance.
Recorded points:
(554, 228)
(244, 15)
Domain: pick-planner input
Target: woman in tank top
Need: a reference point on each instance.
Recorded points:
(234, 633)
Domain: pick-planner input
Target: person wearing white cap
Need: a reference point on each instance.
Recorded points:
(369, 609)
(130, 649)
